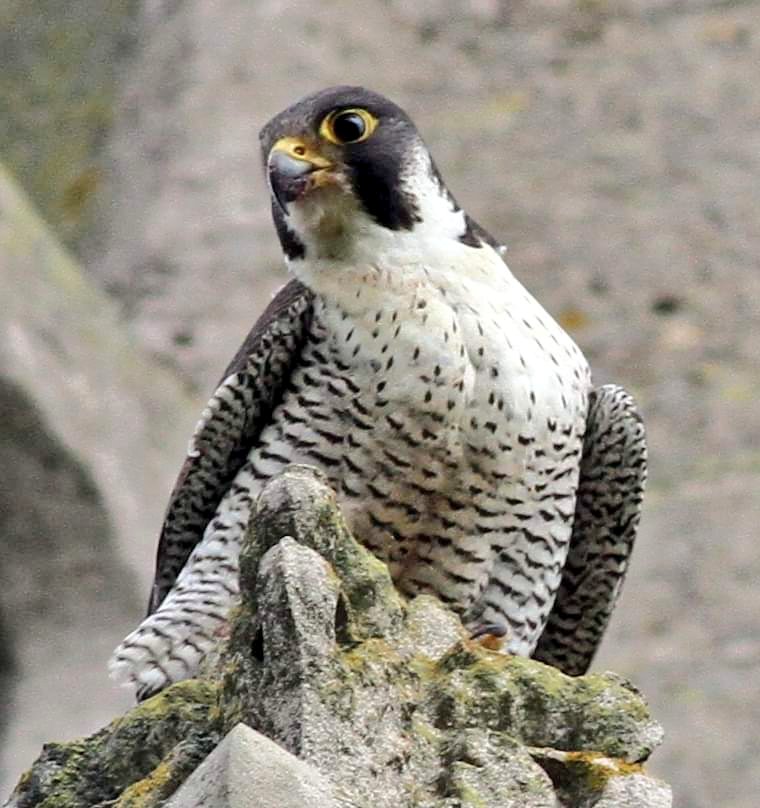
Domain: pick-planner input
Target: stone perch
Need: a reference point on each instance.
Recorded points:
(370, 700)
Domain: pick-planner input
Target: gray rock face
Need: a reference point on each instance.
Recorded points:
(386, 698)
(247, 770)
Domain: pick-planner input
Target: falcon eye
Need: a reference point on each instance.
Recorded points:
(348, 126)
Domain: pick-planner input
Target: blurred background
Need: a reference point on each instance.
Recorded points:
(614, 145)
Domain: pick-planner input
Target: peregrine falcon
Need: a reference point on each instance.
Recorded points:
(454, 418)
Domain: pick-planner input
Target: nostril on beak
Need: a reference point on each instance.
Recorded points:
(288, 166)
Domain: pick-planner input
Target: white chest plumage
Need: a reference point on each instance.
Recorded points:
(447, 408)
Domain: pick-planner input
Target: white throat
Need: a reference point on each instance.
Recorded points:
(333, 227)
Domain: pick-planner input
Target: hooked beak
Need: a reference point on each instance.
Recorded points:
(289, 166)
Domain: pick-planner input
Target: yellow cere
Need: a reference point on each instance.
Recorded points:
(301, 150)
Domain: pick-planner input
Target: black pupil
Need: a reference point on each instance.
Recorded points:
(348, 126)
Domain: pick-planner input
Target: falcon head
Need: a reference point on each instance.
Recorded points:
(347, 169)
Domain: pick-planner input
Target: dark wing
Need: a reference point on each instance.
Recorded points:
(250, 389)
(607, 512)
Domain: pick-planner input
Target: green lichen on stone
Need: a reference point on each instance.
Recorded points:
(541, 706)
(580, 778)
(372, 601)
(99, 768)
(307, 510)
(153, 790)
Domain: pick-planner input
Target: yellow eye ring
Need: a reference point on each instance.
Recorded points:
(343, 126)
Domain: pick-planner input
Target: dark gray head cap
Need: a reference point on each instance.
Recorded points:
(305, 116)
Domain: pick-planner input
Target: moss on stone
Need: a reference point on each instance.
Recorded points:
(539, 705)
(99, 768)
(152, 791)
(582, 777)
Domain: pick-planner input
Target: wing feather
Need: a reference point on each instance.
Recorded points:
(607, 513)
(250, 389)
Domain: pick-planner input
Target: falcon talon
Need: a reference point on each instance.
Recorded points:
(489, 629)
(493, 636)
(454, 417)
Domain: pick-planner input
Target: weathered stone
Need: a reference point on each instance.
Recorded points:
(141, 758)
(301, 504)
(484, 768)
(584, 779)
(328, 661)
(280, 651)
(247, 770)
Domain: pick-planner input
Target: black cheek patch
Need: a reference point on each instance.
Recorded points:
(292, 246)
(376, 181)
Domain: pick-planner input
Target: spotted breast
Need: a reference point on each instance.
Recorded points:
(447, 408)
